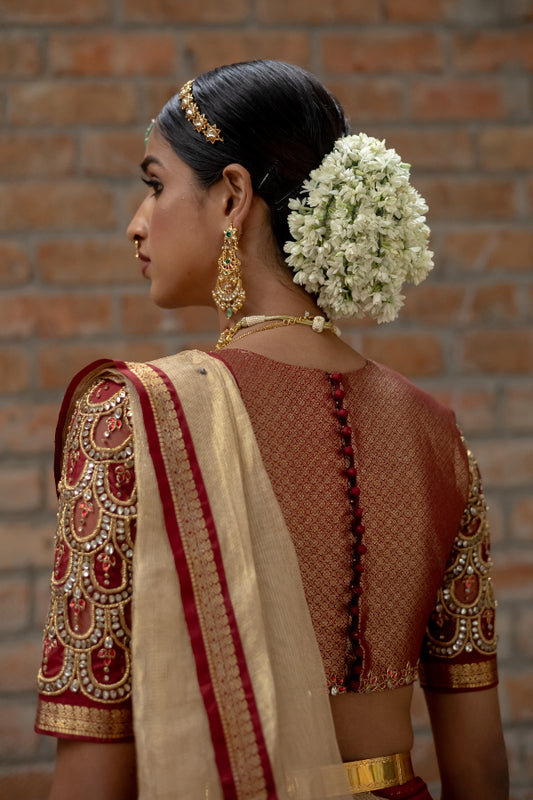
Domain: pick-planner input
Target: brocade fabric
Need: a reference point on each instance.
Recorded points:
(425, 540)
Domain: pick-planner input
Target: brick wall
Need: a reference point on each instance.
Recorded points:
(447, 82)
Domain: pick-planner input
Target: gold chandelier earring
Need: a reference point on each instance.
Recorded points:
(229, 294)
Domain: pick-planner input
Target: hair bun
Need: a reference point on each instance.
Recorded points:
(359, 232)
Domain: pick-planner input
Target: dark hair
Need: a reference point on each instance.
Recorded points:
(276, 119)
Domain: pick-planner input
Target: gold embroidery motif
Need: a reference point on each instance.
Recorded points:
(98, 723)
(88, 626)
(463, 618)
(459, 676)
(394, 679)
(231, 699)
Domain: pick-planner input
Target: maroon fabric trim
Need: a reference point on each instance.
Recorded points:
(83, 737)
(187, 592)
(414, 789)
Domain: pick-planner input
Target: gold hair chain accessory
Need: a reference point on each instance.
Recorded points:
(194, 115)
(229, 294)
(317, 323)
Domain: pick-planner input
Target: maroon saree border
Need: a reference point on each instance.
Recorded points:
(186, 587)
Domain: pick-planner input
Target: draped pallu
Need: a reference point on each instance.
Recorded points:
(229, 692)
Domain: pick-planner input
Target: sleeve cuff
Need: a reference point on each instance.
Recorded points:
(84, 723)
(458, 677)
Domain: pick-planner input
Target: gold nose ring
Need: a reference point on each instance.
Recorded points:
(137, 243)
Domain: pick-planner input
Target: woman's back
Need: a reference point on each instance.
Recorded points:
(372, 528)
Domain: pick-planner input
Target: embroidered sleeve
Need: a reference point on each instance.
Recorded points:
(459, 650)
(85, 676)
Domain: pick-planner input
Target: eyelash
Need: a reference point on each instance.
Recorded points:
(154, 184)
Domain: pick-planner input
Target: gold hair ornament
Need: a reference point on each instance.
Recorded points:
(317, 323)
(229, 294)
(193, 114)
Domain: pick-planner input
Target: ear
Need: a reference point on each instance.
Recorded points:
(237, 194)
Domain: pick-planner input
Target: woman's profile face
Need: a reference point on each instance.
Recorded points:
(180, 235)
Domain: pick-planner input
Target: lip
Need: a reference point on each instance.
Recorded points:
(146, 263)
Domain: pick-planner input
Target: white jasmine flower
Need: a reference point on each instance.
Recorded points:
(361, 231)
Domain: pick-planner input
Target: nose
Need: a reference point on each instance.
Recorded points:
(138, 228)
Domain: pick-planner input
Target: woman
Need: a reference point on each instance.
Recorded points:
(300, 521)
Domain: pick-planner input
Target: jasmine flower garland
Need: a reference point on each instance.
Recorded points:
(360, 232)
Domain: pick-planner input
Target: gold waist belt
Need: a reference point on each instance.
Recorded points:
(379, 773)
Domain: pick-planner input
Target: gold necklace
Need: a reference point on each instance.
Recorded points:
(317, 323)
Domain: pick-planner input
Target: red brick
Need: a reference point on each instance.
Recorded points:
(17, 315)
(20, 488)
(31, 782)
(518, 407)
(493, 50)
(112, 153)
(518, 744)
(303, 11)
(457, 99)
(140, 315)
(26, 155)
(376, 99)
(19, 56)
(475, 408)
(498, 351)
(506, 463)
(14, 369)
(518, 689)
(88, 262)
(494, 303)
(54, 316)
(489, 249)
(389, 51)
(14, 264)
(415, 355)
(506, 148)
(19, 662)
(15, 601)
(158, 92)
(206, 50)
(524, 626)
(58, 364)
(112, 53)
(74, 315)
(36, 12)
(17, 738)
(27, 428)
(71, 103)
(431, 148)
(522, 519)
(203, 11)
(468, 198)
(28, 543)
(60, 204)
(433, 304)
(415, 11)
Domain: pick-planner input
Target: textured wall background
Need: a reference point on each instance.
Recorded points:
(447, 82)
